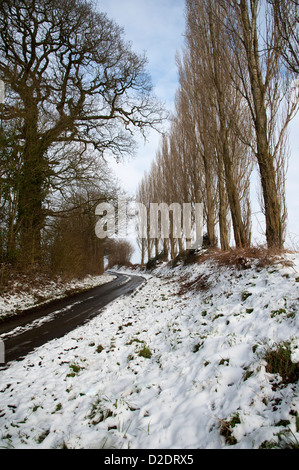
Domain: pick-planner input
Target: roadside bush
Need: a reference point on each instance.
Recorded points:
(244, 258)
(186, 257)
(119, 252)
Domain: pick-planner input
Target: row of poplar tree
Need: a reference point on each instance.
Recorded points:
(233, 106)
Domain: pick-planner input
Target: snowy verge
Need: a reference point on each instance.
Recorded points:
(22, 296)
(182, 363)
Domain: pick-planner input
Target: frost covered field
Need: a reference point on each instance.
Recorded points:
(200, 356)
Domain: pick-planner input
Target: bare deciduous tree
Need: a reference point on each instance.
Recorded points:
(219, 103)
(233, 107)
(70, 79)
(73, 248)
(286, 17)
(267, 93)
(119, 252)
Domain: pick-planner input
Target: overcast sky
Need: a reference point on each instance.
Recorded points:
(156, 27)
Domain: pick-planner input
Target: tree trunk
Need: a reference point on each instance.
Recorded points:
(31, 196)
(210, 207)
(265, 159)
(224, 241)
(143, 247)
(234, 201)
(165, 247)
(270, 194)
(156, 247)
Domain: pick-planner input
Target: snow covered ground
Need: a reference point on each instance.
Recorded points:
(21, 297)
(167, 368)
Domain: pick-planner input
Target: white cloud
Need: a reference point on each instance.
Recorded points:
(155, 27)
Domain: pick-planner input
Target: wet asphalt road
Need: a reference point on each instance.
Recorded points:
(63, 316)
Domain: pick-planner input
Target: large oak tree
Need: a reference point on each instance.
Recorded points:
(71, 81)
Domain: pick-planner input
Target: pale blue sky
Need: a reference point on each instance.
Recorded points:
(156, 27)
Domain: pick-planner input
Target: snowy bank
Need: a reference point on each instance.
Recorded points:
(191, 360)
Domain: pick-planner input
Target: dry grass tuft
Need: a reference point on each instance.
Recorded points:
(201, 283)
(242, 258)
(236, 258)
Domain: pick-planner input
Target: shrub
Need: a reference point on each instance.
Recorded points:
(242, 258)
(153, 262)
(186, 257)
(119, 252)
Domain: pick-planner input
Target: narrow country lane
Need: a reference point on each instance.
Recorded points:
(24, 333)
